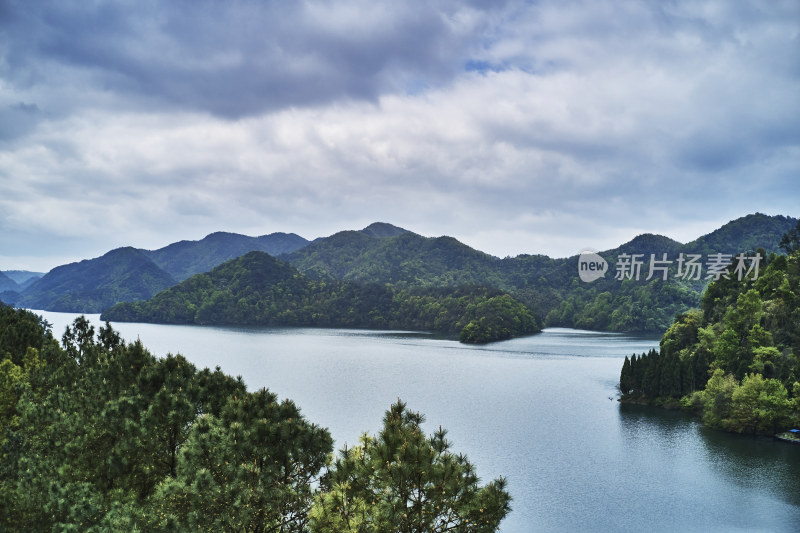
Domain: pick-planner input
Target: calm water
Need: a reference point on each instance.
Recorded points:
(540, 411)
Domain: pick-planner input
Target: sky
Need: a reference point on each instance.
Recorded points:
(515, 126)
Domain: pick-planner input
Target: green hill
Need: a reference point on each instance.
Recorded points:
(650, 305)
(124, 274)
(257, 289)
(382, 229)
(396, 256)
(748, 233)
(186, 258)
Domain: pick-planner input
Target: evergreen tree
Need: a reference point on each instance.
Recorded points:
(626, 383)
(402, 480)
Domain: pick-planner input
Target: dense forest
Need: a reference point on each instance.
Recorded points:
(98, 435)
(736, 360)
(257, 289)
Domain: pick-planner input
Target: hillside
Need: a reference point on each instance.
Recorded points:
(650, 305)
(735, 361)
(124, 274)
(405, 259)
(744, 234)
(383, 229)
(186, 258)
(257, 289)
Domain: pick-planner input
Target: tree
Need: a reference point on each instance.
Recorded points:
(790, 241)
(11, 384)
(626, 380)
(403, 481)
(251, 469)
(759, 405)
(717, 399)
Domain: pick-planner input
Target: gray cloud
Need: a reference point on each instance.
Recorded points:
(515, 126)
(236, 59)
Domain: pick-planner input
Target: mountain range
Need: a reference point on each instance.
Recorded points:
(388, 255)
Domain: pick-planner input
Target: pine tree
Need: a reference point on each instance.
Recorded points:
(626, 377)
(402, 480)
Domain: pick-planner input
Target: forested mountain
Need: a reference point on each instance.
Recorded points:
(129, 274)
(124, 274)
(735, 361)
(404, 259)
(748, 233)
(650, 305)
(100, 435)
(186, 258)
(258, 289)
(550, 287)
(382, 229)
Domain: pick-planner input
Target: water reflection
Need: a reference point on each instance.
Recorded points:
(755, 463)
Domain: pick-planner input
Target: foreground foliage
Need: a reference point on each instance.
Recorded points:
(402, 480)
(100, 435)
(735, 361)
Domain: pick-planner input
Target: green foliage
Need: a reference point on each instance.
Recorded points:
(12, 384)
(402, 480)
(20, 330)
(736, 360)
(250, 469)
(790, 242)
(756, 405)
(496, 318)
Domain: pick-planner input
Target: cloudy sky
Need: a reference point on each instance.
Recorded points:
(516, 127)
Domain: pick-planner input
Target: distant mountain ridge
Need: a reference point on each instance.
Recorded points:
(7, 284)
(89, 286)
(184, 259)
(385, 254)
(131, 274)
(23, 278)
(744, 234)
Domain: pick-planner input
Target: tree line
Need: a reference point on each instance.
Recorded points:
(736, 360)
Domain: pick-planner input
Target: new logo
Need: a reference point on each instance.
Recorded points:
(591, 266)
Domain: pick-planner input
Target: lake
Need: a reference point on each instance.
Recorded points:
(540, 411)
